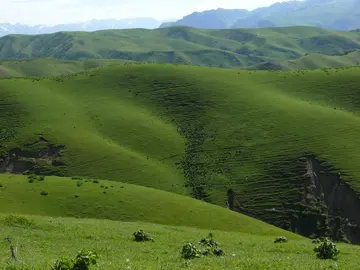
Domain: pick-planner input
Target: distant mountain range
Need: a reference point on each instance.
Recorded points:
(93, 25)
(331, 14)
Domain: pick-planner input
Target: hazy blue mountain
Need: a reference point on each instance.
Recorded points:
(219, 18)
(331, 14)
(93, 25)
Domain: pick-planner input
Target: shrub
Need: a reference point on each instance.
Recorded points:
(1, 185)
(190, 251)
(141, 236)
(83, 260)
(210, 247)
(327, 250)
(79, 184)
(95, 181)
(316, 241)
(281, 239)
(44, 193)
(32, 178)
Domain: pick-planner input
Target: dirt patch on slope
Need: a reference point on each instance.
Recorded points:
(41, 157)
(326, 205)
(3, 73)
(323, 185)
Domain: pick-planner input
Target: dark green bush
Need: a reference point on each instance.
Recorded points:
(83, 260)
(141, 236)
(32, 178)
(281, 239)
(209, 247)
(190, 251)
(316, 241)
(44, 193)
(327, 250)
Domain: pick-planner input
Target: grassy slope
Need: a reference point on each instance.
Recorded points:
(238, 129)
(48, 67)
(313, 61)
(228, 48)
(47, 239)
(120, 201)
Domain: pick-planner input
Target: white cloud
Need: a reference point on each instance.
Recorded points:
(67, 11)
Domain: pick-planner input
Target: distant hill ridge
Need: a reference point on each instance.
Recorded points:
(266, 48)
(331, 14)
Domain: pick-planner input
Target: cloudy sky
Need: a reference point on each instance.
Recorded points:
(65, 11)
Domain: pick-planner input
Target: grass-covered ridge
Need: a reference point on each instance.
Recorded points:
(188, 130)
(49, 67)
(100, 199)
(240, 48)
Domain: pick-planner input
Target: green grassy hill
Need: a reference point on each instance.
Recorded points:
(42, 240)
(258, 140)
(240, 48)
(49, 67)
(84, 198)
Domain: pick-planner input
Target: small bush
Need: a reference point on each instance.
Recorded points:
(141, 236)
(79, 184)
(281, 239)
(95, 181)
(1, 186)
(32, 178)
(210, 247)
(83, 260)
(316, 241)
(190, 251)
(44, 193)
(327, 250)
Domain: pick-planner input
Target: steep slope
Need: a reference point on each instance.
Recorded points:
(240, 48)
(269, 144)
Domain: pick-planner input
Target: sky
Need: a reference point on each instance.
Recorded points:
(50, 12)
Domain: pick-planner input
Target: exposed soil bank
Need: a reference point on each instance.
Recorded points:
(41, 157)
(327, 207)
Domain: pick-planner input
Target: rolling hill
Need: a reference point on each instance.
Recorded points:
(49, 67)
(275, 145)
(233, 48)
(330, 14)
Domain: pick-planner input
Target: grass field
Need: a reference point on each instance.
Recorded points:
(231, 48)
(42, 240)
(49, 67)
(188, 130)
